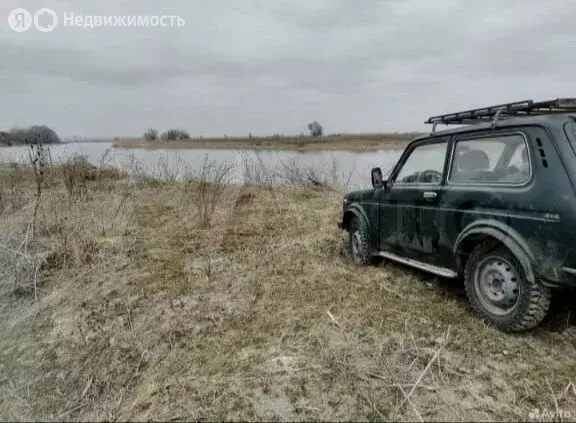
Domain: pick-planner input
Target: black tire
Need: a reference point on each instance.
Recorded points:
(531, 299)
(359, 243)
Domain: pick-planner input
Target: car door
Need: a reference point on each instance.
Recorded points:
(408, 215)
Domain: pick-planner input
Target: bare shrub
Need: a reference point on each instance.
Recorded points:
(322, 175)
(107, 170)
(108, 224)
(12, 180)
(255, 173)
(210, 184)
(171, 170)
(137, 169)
(76, 173)
(39, 159)
(20, 264)
(105, 161)
(337, 178)
(71, 249)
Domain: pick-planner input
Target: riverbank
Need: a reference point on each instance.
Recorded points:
(351, 142)
(146, 300)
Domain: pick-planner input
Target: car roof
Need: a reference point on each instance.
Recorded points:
(552, 119)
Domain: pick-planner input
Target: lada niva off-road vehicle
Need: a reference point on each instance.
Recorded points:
(492, 201)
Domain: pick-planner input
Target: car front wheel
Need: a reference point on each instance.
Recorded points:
(499, 290)
(359, 243)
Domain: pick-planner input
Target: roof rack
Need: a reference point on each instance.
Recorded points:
(504, 111)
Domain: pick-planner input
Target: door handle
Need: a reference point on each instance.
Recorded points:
(429, 195)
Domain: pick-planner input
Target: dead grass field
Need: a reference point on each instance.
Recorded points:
(128, 304)
(346, 142)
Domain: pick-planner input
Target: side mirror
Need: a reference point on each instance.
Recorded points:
(377, 180)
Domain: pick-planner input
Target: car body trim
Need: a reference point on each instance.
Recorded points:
(543, 216)
(440, 271)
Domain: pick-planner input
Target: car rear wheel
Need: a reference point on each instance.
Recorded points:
(359, 243)
(499, 290)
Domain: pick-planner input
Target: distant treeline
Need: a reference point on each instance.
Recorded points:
(316, 133)
(36, 134)
(153, 135)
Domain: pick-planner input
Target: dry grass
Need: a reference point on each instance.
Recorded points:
(145, 313)
(345, 142)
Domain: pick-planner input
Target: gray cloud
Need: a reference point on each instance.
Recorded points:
(271, 66)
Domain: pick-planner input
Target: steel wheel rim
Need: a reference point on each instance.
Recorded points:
(497, 285)
(356, 243)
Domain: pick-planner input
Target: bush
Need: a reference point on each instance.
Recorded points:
(77, 172)
(151, 134)
(210, 182)
(175, 135)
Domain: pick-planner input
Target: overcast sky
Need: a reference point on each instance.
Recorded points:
(271, 66)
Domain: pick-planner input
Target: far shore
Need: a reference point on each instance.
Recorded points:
(361, 142)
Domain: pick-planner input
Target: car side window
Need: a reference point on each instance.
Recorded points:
(425, 165)
(499, 160)
(519, 158)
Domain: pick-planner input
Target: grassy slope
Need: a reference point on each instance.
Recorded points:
(350, 142)
(143, 313)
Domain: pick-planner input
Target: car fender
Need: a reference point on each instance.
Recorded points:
(355, 209)
(506, 235)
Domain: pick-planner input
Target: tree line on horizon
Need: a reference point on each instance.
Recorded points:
(35, 134)
(151, 134)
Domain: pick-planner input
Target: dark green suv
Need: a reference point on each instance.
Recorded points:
(492, 201)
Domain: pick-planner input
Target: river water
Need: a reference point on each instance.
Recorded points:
(352, 169)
